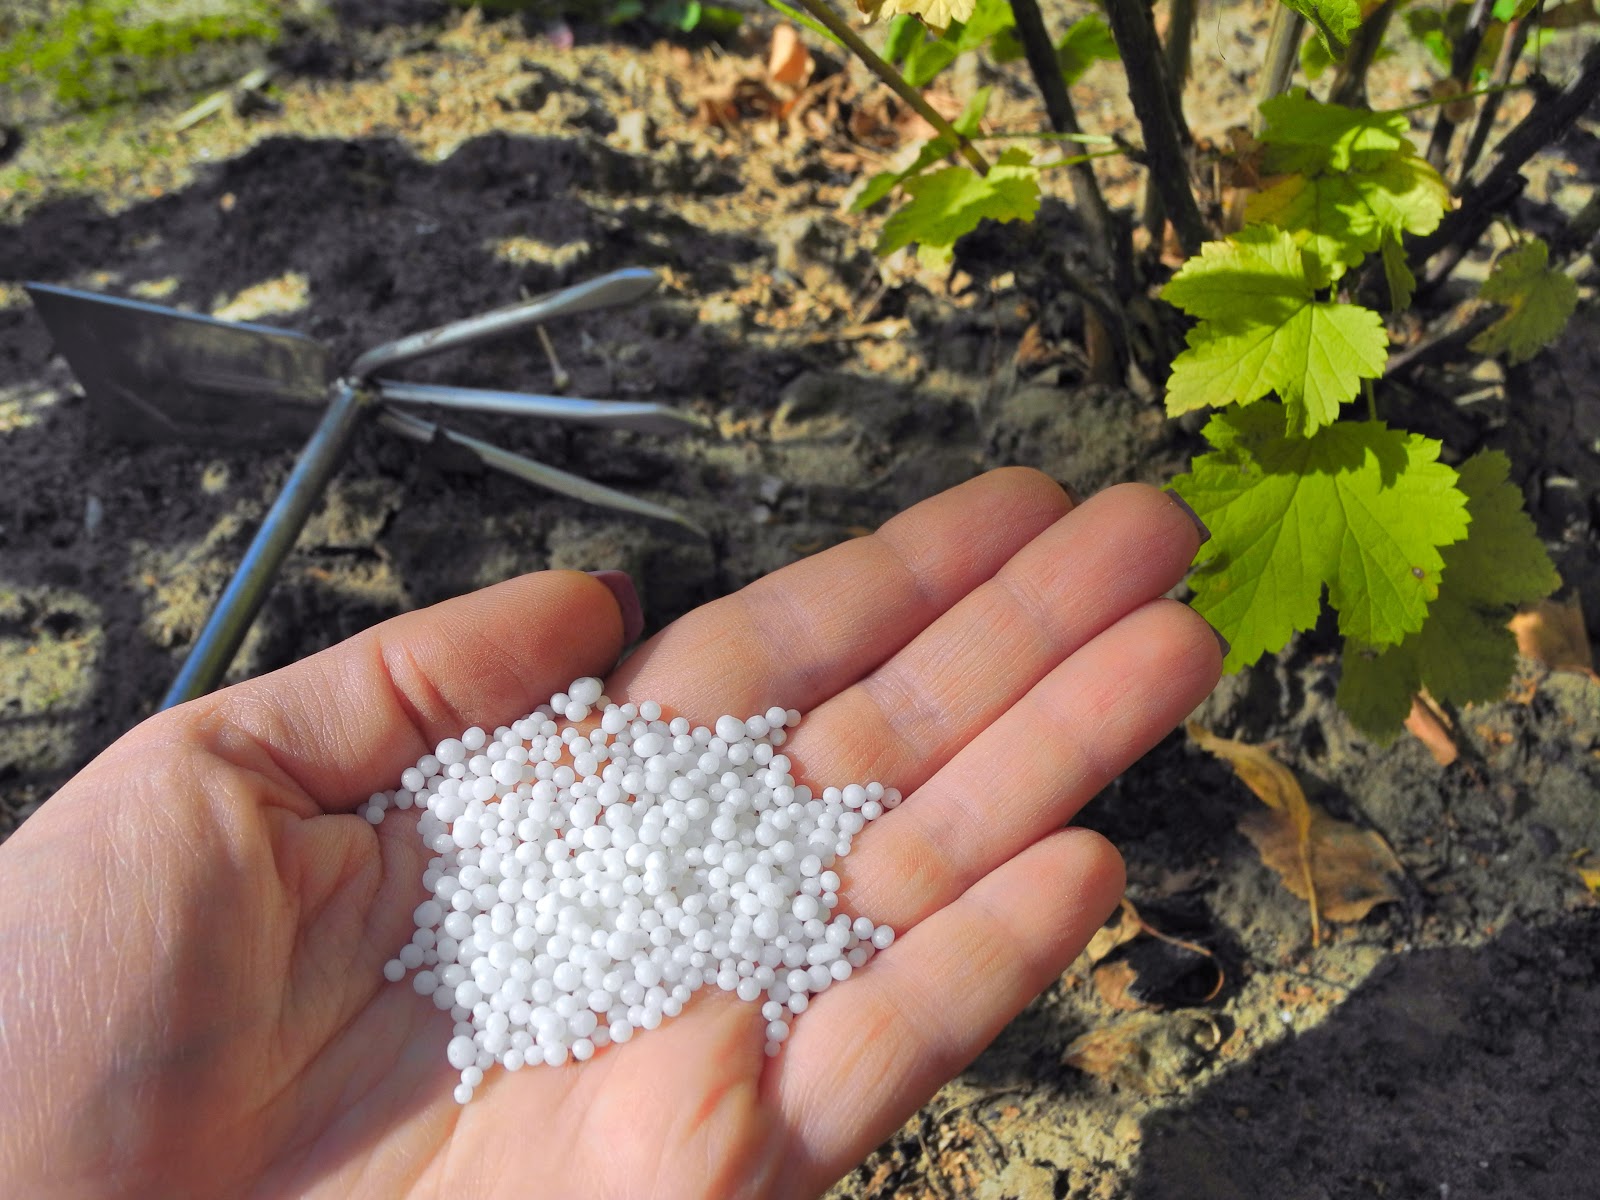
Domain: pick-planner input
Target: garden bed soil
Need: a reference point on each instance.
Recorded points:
(422, 165)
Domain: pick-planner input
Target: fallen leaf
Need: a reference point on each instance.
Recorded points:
(1591, 879)
(1123, 926)
(1340, 870)
(1353, 868)
(1150, 1053)
(1429, 727)
(1553, 633)
(1112, 980)
(1276, 787)
(1137, 966)
(788, 62)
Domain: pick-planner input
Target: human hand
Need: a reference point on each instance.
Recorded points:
(197, 923)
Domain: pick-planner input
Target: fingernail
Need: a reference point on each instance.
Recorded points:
(1221, 641)
(621, 585)
(1205, 534)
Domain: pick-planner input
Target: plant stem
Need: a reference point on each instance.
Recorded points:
(1461, 60)
(1510, 52)
(841, 29)
(1154, 105)
(1283, 55)
(1176, 54)
(1041, 55)
(1350, 84)
(1549, 119)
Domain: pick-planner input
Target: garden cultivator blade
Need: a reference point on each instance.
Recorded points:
(155, 373)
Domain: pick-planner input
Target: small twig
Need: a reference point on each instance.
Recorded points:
(1350, 84)
(1087, 198)
(1510, 51)
(841, 29)
(1461, 60)
(253, 81)
(1283, 56)
(1153, 104)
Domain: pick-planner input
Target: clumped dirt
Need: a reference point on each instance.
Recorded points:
(423, 164)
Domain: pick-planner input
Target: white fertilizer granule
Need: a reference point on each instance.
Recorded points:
(589, 877)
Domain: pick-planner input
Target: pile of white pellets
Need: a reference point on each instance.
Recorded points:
(594, 865)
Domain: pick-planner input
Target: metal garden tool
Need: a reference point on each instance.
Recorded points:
(157, 373)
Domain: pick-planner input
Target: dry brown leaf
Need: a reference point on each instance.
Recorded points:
(1353, 869)
(1553, 632)
(1123, 927)
(1112, 980)
(1428, 725)
(788, 62)
(1151, 1053)
(1276, 787)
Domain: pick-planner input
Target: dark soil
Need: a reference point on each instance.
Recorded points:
(424, 165)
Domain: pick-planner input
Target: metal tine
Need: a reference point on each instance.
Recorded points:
(619, 287)
(617, 414)
(527, 469)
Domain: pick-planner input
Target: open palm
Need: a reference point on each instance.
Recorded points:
(197, 923)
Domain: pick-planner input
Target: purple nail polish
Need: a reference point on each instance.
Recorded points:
(621, 585)
(1183, 506)
(1227, 646)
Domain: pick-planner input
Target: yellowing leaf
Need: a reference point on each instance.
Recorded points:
(1538, 302)
(1359, 508)
(951, 202)
(1263, 330)
(1591, 878)
(1463, 653)
(937, 13)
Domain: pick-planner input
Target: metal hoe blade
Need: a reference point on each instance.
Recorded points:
(158, 374)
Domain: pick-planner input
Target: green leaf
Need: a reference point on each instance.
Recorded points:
(1334, 21)
(1359, 508)
(967, 124)
(946, 204)
(1308, 135)
(805, 21)
(924, 59)
(1262, 329)
(904, 32)
(1087, 41)
(1538, 300)
(1463, 653)
(1402, 283)
(1353, 177)
(1314, 58)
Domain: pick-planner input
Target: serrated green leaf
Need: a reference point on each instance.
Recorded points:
(946, 204)
(1397, 271)
(1463, 653)
(1347, 178)
(1359, 508)
(1334, 21)
(1306, 134)
(1087, 41)
(1538, 302)
(1262, 330)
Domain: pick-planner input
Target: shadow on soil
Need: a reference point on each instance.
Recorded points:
(1459, 1073)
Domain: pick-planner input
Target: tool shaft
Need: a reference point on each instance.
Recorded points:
(236, 610)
